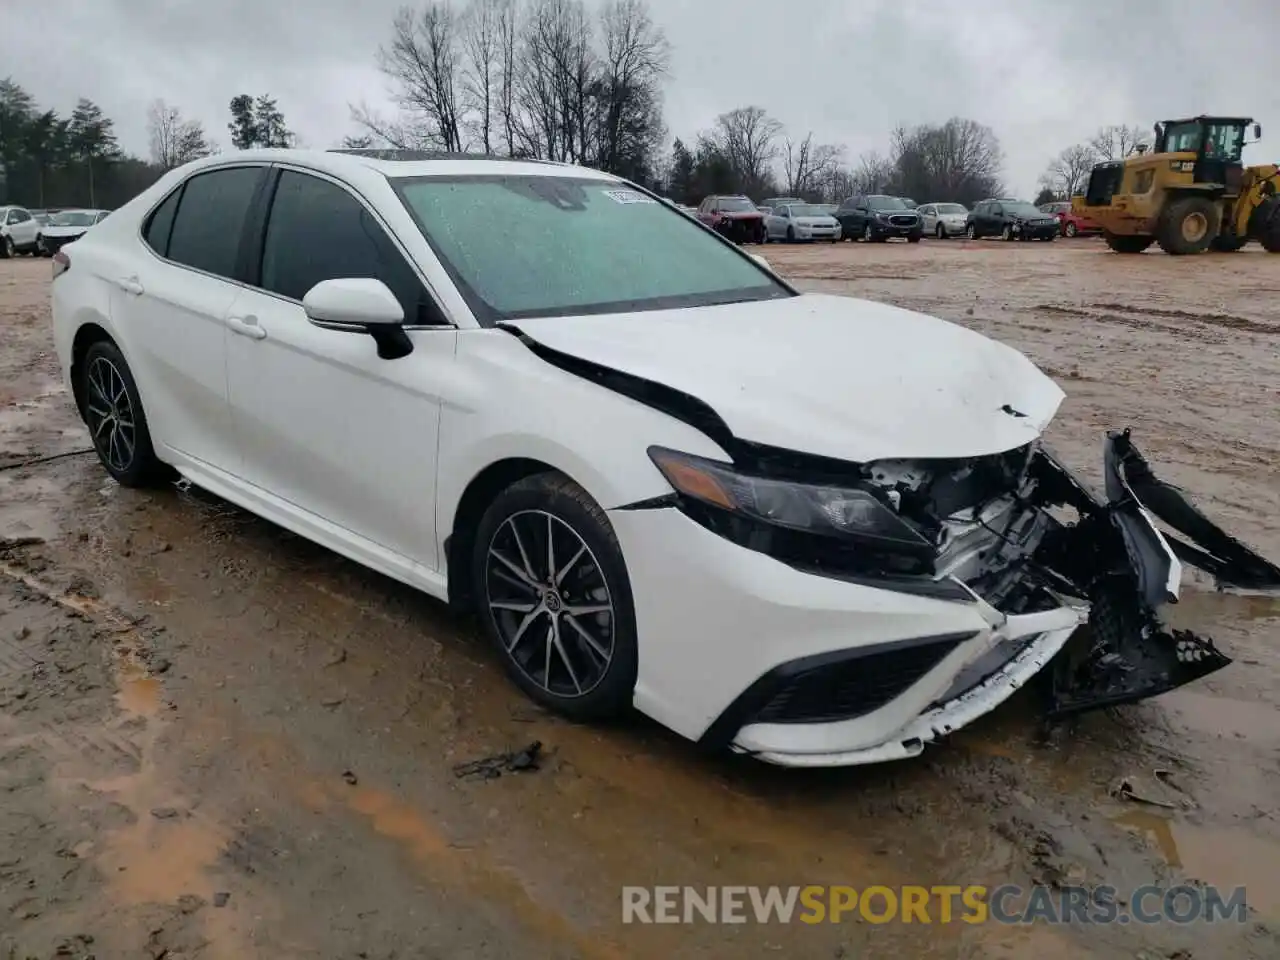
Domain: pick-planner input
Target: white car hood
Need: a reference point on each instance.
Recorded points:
(826, 375)
(816, 221)
(52, 231)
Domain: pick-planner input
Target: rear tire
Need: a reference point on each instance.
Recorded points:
(1265, 224)
(1070, 230)
(1007, 233)
(971, 232)
(525, 605)
(1188, 225)
(7, 250)
(112, 410)
(1127, 244)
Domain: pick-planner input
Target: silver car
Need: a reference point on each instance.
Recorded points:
(943, 220)
(800, 221)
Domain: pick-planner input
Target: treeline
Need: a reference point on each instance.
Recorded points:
(47, 160)
(51, 160)
(746, 150)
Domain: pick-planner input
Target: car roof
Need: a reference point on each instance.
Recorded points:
(358, 163)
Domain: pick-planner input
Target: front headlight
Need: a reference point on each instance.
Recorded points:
(824, 511)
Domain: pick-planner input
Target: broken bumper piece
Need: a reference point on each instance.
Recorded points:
(1119, 560)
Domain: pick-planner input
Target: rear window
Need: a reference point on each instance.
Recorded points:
(157, 229)
(210, 219)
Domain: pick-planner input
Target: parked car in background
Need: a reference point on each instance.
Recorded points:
(1070, 224)
(942, 220)
(877, 218)
(818, 530)
(1010, 219)
(66, 227)
(774, 202)
(800, 221)
(733, 217)
(909, 202)
(41, 216)
(830, 208)
(19, 231)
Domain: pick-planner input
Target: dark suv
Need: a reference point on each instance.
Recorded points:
(877, 218)
(1010, 220)
(735, 218)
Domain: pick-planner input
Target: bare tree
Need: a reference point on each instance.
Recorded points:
(481, 66)
(1068, 172)
(809, 165)
(554, 83)
(421, 62)
(1117, 141)
(629, 99)
(748, 138)
(959, 161)
(506, 30)
(870, 174)
(174, 141)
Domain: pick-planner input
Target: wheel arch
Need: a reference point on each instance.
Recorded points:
(87, 334)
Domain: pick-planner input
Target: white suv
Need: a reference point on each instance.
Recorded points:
(19, 231)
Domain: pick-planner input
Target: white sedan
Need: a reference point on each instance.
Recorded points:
(943, 220)
(810, 528)
(800, 221)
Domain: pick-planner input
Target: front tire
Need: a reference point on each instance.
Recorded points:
(1007, 233)
(868, 235)
(112, 410)
(940, 232)
(791, 235)
(971, 232)
(555, 598)
(1070, 230)
(7, 249)
(913, 238)
(1127, 244)
(1188, 225)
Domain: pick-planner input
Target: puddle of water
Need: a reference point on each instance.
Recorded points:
(1226, 857)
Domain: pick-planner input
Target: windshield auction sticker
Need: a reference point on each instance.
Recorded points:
(628, 196)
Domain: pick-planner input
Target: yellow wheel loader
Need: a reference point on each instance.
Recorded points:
(1189, 193)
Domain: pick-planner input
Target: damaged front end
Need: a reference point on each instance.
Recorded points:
(1005, 531)
(1024, 535)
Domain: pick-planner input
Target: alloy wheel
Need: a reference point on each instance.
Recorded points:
(866, 233)
(10, 250)
(941, 232)
(971, 232)
(550, 603)
(110, 416)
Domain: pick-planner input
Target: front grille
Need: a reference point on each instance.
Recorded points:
(853, 687)
(903, 221)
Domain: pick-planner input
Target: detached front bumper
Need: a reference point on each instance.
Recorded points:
(743, 651)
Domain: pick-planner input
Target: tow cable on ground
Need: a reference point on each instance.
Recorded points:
(39, 460)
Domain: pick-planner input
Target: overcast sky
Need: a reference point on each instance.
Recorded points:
(1042, 73)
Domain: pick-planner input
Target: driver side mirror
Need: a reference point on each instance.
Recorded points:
(1257, 131)
(360, 305)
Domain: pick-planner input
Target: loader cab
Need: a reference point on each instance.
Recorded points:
(1217, 142)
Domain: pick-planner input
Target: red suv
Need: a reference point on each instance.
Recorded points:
(1071, 224)
(734, 217)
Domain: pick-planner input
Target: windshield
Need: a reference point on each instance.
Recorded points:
(72, 218)
(946, 208)
(886, 203)
(735, 205)
(827, 208)
(1023, 209)
(808, 210)
(1182, 138)
(1224, 142)
(558, 246)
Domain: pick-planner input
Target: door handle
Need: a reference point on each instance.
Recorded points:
(130, 285)
(247, 327)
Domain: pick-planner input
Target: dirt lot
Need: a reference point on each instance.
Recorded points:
(218, 741)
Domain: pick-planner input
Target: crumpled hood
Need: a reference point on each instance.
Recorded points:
(826, 375)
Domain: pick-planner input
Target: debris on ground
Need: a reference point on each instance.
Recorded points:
(495, 765)
(349, 778)
(220, 898)
(1151, 792)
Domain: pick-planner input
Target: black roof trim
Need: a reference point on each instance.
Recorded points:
(409, 156)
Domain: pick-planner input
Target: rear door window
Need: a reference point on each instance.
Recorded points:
(160, 225)
(210, 219)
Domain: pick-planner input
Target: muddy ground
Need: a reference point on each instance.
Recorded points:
(219, 741)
